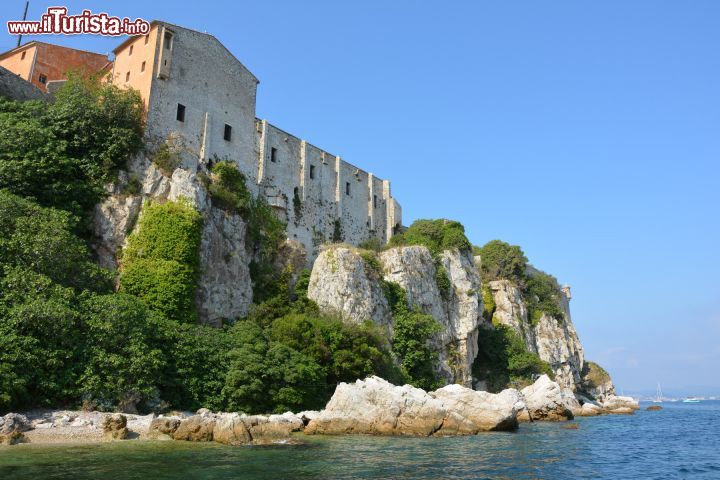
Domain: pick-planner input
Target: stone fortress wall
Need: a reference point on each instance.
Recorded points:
(201, 100)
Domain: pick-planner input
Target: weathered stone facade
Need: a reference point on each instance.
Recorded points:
(201, 98)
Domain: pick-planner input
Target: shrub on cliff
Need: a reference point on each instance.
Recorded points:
(160, 262)
(503, 361)
(542, 294)
(436, 235)
(63, 153)
(502, 261)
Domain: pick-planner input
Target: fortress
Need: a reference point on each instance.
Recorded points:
(200, 99)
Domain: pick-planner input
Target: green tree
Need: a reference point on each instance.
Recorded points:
(436, 235)
(502, 261)
(123, 360)
(63, 153)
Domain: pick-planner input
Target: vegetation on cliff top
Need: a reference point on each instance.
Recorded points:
(502, 261)
(62, 154)
(436, 235)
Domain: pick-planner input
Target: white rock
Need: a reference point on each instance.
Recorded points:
(544, 400)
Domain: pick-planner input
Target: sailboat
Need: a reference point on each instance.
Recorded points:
(658, 395)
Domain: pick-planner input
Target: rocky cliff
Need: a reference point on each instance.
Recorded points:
(224, 288)
(342, 282)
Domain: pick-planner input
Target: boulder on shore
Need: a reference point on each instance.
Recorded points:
(376, 407)
(163, 427)
(198, 428)
(115, 426)
(545, 401)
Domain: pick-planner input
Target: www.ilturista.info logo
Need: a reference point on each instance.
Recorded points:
(57, 22)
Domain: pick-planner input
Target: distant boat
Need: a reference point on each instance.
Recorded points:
(658, 396)
(691, 400)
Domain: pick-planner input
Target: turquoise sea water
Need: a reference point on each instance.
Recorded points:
(681, 441)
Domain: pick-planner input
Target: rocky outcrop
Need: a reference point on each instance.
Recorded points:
(376, 407)
(12, 427)
(115, 426)
(545, 401)
(596, 382)
(343, 284)
(163, 427)
(619, 404)
(553, 340)
(459, 310)
(224, 287)
(232, 428)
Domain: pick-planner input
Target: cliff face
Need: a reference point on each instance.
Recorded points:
(554, 341)
(224, 287)
(343, 283)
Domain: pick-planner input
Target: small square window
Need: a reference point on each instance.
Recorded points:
(273, 154)
(228, 133)
(127, 77)
(180, 112)
(131, 49)
(347, 188)
(147, 38)
(42, 79)
(312, 171)
(22, 57)
(142, 67)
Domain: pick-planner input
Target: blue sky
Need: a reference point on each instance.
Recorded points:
(586, 132)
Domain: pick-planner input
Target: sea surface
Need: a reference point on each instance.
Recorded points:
(680, 441)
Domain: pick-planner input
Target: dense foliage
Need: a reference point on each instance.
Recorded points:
(160, 262)
(503, 361)
(436, 235)
(62, 154)
(413, 332)
(502, 261)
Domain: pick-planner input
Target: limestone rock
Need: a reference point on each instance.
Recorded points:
(14, 422)
(308, 415)
(197, 428)
(544, 401)
(12, 438)
(163, 427)
(654, 408)
(231, 430)
(115, 426)
(619, 404)
(376, 407)
(270, 432)
(341, 283)
(459, 310)
(553, 340)
(295, 422)
(470, 411)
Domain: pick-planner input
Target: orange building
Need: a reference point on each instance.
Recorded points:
(40, 63)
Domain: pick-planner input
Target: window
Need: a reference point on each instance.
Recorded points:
(131, 49)
(347, 188)
(180, 112)
(142, 67)
(312, 171)
(273, 154)
(147, 38)
(22, 57)
(42, 79)
(228, 133)
(168, 40)
(374, 201)
(127, 77)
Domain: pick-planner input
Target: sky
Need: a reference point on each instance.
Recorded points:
(586, 132)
